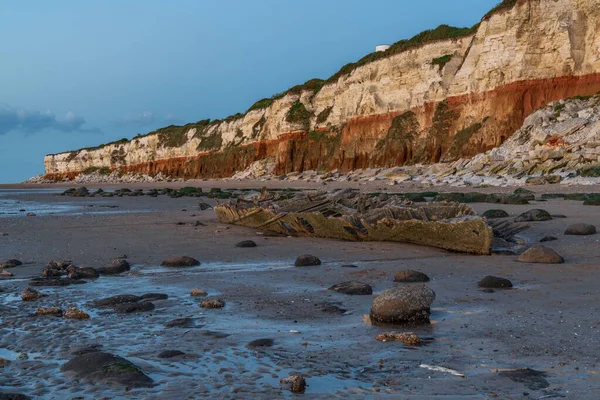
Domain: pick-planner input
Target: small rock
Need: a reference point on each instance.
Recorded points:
(403, 304)
(183, 261)
(540, 254)
(170, 354)
(548, 239)
(492, 214)
(29, 294)
(127, 308)
(49, 311)
(581, 229)
(534, 215)
(246, 243)
(410, 276)
(74, 272)
(348, 266)
(76, 313)
(198, 292)
(293, 383)
(494, 282)
(408, 338)
(259, 343)
(30, 214)
(11, 264)
(212, 303)
(352, 288)
(115, 267)
(307, 260)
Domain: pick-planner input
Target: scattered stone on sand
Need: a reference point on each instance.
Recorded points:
(212, 303)
(548, 239)
(74, 272)
(408, 338)
(198, 293)
(30, 294)
(154, 296)
(403, 304)
(49, 311)
(76, 313)
(540, 254)
(105, 368)
(246, 243)
(180, 323)
(352, 288)
(494, 282)
(183, 261)
(11, 264)
(115, 267)
(170, 354)
(260, 343)
(115, 300)
(493, 214)
(127, 308)
(532, 379)
(307, 260)
(293, 383)
(534, 215)
(580, 229)
(410, 276)
(348, 266)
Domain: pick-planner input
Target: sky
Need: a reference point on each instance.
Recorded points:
(80, 73)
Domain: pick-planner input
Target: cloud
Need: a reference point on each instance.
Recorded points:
(31, 121)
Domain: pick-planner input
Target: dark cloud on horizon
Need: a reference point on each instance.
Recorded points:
(31, 121)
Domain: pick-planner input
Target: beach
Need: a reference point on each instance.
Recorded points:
(549, 322)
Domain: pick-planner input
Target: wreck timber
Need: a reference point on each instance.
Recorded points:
(449, 226)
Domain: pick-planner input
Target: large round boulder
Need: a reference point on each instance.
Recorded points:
(182, 261)
(534, 215)
(307, 260)
(580, 229)
(540, 254)
(403, 304)
(104, 368)
(494, 282)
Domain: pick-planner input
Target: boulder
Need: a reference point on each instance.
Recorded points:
(12, 396)
(11, 264)
(403, 304)
(212, 303)
(127, 308)
(581, 229)
(293, 383)
(198, 292)
(76, 313)
(115, 267)
(74, 272)
(352, 288)
(260, 343)
(105, 368)
(182, 261)
(246, 243)
(494, 282)
(115, 300)
(307, 260)
(492, 214)
(540, 254)
(534, 215)
(410, 276)
(49, 311)
(29, 294)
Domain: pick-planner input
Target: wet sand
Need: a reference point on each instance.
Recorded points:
(549, 322)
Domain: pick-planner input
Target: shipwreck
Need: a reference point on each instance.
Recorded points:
(350, 215)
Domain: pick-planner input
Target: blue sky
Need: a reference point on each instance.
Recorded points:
(79, 73)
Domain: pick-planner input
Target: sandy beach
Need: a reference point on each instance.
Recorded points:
(549, 322)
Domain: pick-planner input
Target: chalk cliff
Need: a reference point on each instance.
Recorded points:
(439, 101)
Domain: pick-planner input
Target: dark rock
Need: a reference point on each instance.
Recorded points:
(212, 303)
(170, 354)
(13, 396)
(492, 214)
(348, 266)
(180, 323)
(11, 264)
(581, 229)
(215, 334)
(532, 379)
(105, 368)
(155, 296)
(293, 383)
(78, 351)
(540, 254)
(126, 308)
(74, 272)
(115, 300)
(403, 304)
(494, 282)
(29, 294)
(115, 267)
(55, 269)
(80, 192)
(183, 261)
(329, 307)
(548, 239)
(246, 243)
(258, 343)
(204, 206)
(410, 276)
(54, 282)
(307, 260)
(353, 288)
(534, 215)
(592, 201)
(559, 216)
(488, 290)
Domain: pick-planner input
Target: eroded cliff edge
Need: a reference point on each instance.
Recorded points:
(442, 101)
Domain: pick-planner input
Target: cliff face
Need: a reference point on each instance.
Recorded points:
(440, 102)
